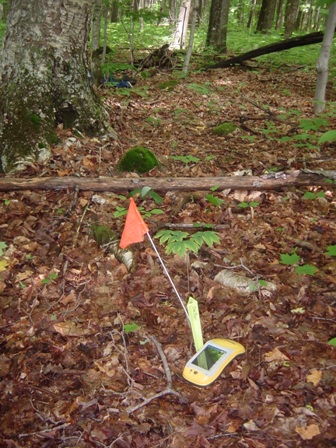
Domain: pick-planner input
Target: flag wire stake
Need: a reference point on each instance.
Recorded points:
(169, 278)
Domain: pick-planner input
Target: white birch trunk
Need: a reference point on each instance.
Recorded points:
(323, 61)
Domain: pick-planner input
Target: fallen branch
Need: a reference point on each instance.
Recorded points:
(273, 181)
(298, 41)
(168, 389)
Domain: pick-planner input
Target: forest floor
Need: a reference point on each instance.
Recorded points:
(76, 372)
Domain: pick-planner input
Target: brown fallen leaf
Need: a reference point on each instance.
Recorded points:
(69, 328)
(309, 432)
(275, 355)
(314, 376)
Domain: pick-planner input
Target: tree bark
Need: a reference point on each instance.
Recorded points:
(276, 181)
(180, 34)
(291, 15)
(266, 16)
(218, 23)
(44, 77)
(323, 61)
(95, 29)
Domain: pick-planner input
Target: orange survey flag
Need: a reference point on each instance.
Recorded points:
(135, 227)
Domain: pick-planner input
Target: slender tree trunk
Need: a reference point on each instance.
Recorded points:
(251, 14)
(44, 77)
(323, 61)
(114, 11)
(105, 16)
(291, 15)
(217, 30)
(180, 34)
(95, 30)
(279, 14)
(266, 16)
(191, 37)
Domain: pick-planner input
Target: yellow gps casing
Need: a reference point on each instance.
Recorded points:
(208, 363)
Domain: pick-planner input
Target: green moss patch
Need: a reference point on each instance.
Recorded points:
(138, 159)
(168, 85)
(224, 128)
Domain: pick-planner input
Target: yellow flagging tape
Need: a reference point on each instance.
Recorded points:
(195, 323)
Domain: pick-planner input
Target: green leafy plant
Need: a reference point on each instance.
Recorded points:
(50, 278)
(328, 136)
(6, 201)
(253, 204)
(130, 328)
(147, 192)
(332, 342)
(154, 121)
(290, 259)
(180, 243)
(307, 269)
(331, 251)
(214, 200)
(3, 246)
(202, 89)
(293, 259)
(311, 195)
(122, 211)
(186, 159)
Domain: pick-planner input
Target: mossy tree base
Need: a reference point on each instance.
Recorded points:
(44, 80)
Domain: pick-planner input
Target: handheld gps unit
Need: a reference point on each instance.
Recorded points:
(208, 363)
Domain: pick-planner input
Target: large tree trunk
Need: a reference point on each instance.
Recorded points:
(266, 16)
(218, 22)
(44, 77)
(291, 15)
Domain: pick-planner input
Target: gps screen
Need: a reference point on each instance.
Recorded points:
(208, 357)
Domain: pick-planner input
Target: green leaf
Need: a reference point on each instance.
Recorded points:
(209, 237)
(290, 259)
(3, 246)
(309, 195)
(328, 136)
(263, 283)
(177, 247)
(193, 246)
(243, 205)
(156, 197)
(186, 159)
(332, 342)
(254, 204)
(121, 211)
(156, 211)
(214, 188)
(214, 200)
(331, 251)
(144, 191)
(307, 269)
(130, 328)
(3, 265)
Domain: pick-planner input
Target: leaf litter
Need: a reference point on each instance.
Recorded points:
(71, 376)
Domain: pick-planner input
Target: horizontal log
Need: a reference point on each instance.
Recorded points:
(264, 182)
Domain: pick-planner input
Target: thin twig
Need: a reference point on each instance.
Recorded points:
(168, 389)
(164, 360)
